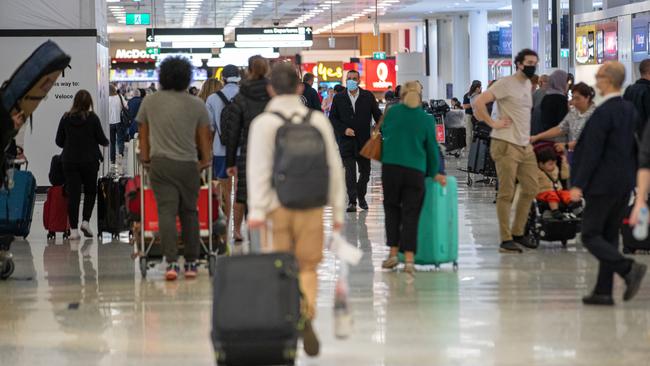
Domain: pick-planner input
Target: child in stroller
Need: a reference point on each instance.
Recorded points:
(553, 216)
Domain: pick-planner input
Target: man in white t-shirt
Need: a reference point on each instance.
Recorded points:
(511, 150)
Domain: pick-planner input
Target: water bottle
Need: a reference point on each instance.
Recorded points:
(342, 316)
(640, 231)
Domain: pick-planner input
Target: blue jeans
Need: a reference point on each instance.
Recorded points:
(117, 138)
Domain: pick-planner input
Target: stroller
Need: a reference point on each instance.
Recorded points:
(542, 225)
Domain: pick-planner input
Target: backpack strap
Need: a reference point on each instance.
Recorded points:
(223, 98)
(307, 118)
(284, 119)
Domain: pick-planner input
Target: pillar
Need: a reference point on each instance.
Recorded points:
(522, 25)
(432, 86)
(544, 38)
(460, 50)
(478, 46)
(79, 28)
(445, 56)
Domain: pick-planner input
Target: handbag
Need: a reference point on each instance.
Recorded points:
(125, 118)
(372, 149)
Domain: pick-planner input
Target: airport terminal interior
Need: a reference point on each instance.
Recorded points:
(472, 296)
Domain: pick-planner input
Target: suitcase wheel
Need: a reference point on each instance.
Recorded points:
(212, 264)
(470, 181)
(66, 234)
(7, 268)
(455, 266)
(627, 250)
(143, 267)
(52, 235)
(564, 244)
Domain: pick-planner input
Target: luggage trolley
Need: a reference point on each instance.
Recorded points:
(147, 242)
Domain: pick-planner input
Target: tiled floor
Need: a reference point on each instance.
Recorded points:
(86, 305)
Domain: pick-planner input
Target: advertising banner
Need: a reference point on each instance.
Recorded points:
(640, 37)
(329, 71)
(586, 44)
(610, 35)
(380, 74)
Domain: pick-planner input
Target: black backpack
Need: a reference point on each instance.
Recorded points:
(223, 129)
(300, 168)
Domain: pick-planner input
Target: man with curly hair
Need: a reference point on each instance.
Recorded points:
(174, 125)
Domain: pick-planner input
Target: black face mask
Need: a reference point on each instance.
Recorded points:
(529, 71)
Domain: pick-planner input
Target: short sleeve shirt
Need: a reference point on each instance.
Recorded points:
(514, 100)
(574, 122)
(173, 117)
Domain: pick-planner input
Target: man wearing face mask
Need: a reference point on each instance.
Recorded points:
(511, 149)
(352, 113)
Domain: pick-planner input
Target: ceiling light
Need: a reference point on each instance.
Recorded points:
(131, 39)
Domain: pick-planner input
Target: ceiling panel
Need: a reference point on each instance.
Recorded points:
(347, 15)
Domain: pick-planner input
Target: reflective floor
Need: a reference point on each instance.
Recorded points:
(85, 304)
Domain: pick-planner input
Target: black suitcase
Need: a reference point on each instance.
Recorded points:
(112, 215)
(256, 310)
(630, 244)
(455, 138)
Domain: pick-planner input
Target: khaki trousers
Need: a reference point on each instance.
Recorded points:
(300, 231)
(514, 164)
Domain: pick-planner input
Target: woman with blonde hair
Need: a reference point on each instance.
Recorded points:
(409, 155)
(209, 87)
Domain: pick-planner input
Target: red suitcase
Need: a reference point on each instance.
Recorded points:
(55, 213)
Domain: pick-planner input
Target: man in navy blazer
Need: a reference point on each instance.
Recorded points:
(351, 114)
(604, 172)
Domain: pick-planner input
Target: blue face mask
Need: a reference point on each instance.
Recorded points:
(352, 85)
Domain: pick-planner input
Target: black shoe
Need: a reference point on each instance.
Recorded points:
(633, 280)
(363, 205)
(509, 247)
(310, 340)
(352, 207)
(594, 299)
(525, 241)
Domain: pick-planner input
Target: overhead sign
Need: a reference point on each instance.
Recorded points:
(185, 38)
(138, 19)
(274, 37)
(153, 51)
(564, 53)
(379, 55)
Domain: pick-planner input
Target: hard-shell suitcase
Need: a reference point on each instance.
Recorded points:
(17, 205)
(55, 213)
(256, 313)
(112, 215)
(256, 310)
(479, 160)
(438, 226)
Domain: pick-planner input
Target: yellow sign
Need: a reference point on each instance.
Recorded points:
(330, 71)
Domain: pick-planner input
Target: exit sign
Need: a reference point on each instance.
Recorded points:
(564, 53)
(379, 55)
(138, 19)
(153, 51)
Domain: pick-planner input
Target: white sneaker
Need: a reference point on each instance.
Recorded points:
(85, 228)
(74, 235)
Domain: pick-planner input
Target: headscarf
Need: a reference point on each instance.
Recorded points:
(557, 83)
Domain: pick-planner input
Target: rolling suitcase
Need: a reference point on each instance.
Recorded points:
(454, 138)
(112, 215)
(17, 205)
(256, 321)
(55, 213)
(438, 227)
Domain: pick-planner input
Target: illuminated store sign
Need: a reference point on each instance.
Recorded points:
(330, 71)
(131, 54)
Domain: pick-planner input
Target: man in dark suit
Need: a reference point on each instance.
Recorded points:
(639, 95)
(604, 169)
(352, 113)
(311, 95)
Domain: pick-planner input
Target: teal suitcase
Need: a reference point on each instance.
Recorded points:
(438, 228)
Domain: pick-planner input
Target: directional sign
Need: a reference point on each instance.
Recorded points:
(379, 55)
(564, 53)
(153, 51)
(274, 37)
(185, 38)
(138, 19)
